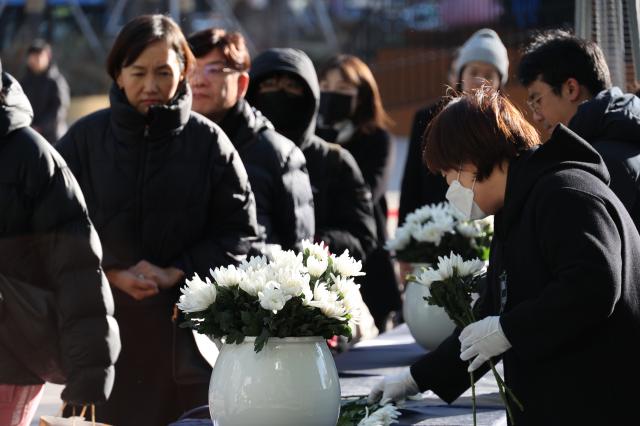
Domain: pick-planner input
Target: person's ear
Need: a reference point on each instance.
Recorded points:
(572, 90)
(119, 81)
(243, 84)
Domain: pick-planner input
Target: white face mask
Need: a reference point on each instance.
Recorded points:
(462, 199)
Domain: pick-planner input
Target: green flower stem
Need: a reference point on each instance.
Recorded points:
(473, 397)
(506, 388)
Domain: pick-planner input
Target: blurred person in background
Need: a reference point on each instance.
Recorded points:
(352, 115)
(275, 165)
(284, 87)
(169, 197)
(482, 58)
(47, 242)
(568, 82)
(47, 91)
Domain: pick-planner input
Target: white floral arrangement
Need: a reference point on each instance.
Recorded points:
(311, 293)
(437, 229)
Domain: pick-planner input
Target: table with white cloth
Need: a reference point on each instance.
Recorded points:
(368, 361)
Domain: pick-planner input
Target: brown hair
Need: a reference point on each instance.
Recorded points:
(481, 127)
(141, 32)
(369, 113)
(232, 46)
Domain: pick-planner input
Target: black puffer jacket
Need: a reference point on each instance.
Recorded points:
(133, 171)
(566, 251)
(419, 185)
(278, 174)
(47, 240)
(48, 94)
(611, 123)
(342, 200)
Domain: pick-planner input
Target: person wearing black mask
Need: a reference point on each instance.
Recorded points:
(284, 87)
(351, 114)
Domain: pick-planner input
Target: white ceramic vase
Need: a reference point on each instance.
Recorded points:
(429, 325)
(291, 382)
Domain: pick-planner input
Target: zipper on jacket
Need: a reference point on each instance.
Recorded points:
(139, 189)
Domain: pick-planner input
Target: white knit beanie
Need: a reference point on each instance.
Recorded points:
(485, 46)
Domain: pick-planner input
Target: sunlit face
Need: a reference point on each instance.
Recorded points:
(488, 194)
(547, 108)
(153, 78)
(216, 87)
(477, 73)
(38, 62)
(334, 82)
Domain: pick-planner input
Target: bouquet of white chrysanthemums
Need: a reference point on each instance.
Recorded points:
(311, 293)
(355, 411)
(436, 229)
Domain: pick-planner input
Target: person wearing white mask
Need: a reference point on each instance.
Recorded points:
(560, 304)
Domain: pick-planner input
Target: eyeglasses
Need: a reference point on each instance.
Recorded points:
(215, 69)
(534, 104)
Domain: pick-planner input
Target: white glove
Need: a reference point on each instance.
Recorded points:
(482, 339)
(394, 388)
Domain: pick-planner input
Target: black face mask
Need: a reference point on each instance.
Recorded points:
(334, 107)
(287, 112)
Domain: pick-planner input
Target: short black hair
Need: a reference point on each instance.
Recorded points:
(140, 33)
(38, 45)
(557, 55)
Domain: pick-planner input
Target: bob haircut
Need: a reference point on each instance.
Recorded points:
(140, 33)
(231, 44)
(481, 127)
(369, 113)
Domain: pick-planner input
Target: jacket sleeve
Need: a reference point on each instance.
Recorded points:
(232, 224)
(71, 252)
(377, 166)
(352, 225)
(293, 209)
(581, 245)
(69, 147)
(57, 105)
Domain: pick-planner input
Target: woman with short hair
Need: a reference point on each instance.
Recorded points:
(561, 304)
(169, 197)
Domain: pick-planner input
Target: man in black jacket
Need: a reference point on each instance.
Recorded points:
(47, 242)
(275, 165)
(47, 91)
(284, 87)
(568, 82)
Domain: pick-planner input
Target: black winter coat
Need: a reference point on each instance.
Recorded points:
(169, 188)
(48, 94)
(567, 252)
(610, 122)
(278, 176)
(342, 200)
(47, 240)
(419, 185)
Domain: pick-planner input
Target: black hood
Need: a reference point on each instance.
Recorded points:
(162, 121)
(295, 62)
(16, 111)
(610, 116)
(564, 150)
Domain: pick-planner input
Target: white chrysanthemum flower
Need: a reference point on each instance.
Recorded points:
(328, 303)
(292, 282)
(428, 276)
(470, 267)
(469, 229)
(254, 263)
(197, 295)
(272, 298)
(318, 250)
(402, 238)
(346, 265)
(383, 416)
(288, 260)
(431, 232)
(254, 281)
(316, 267)
(227, 276)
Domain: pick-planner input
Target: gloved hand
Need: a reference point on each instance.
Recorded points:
(482, 339)
(394, 388)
